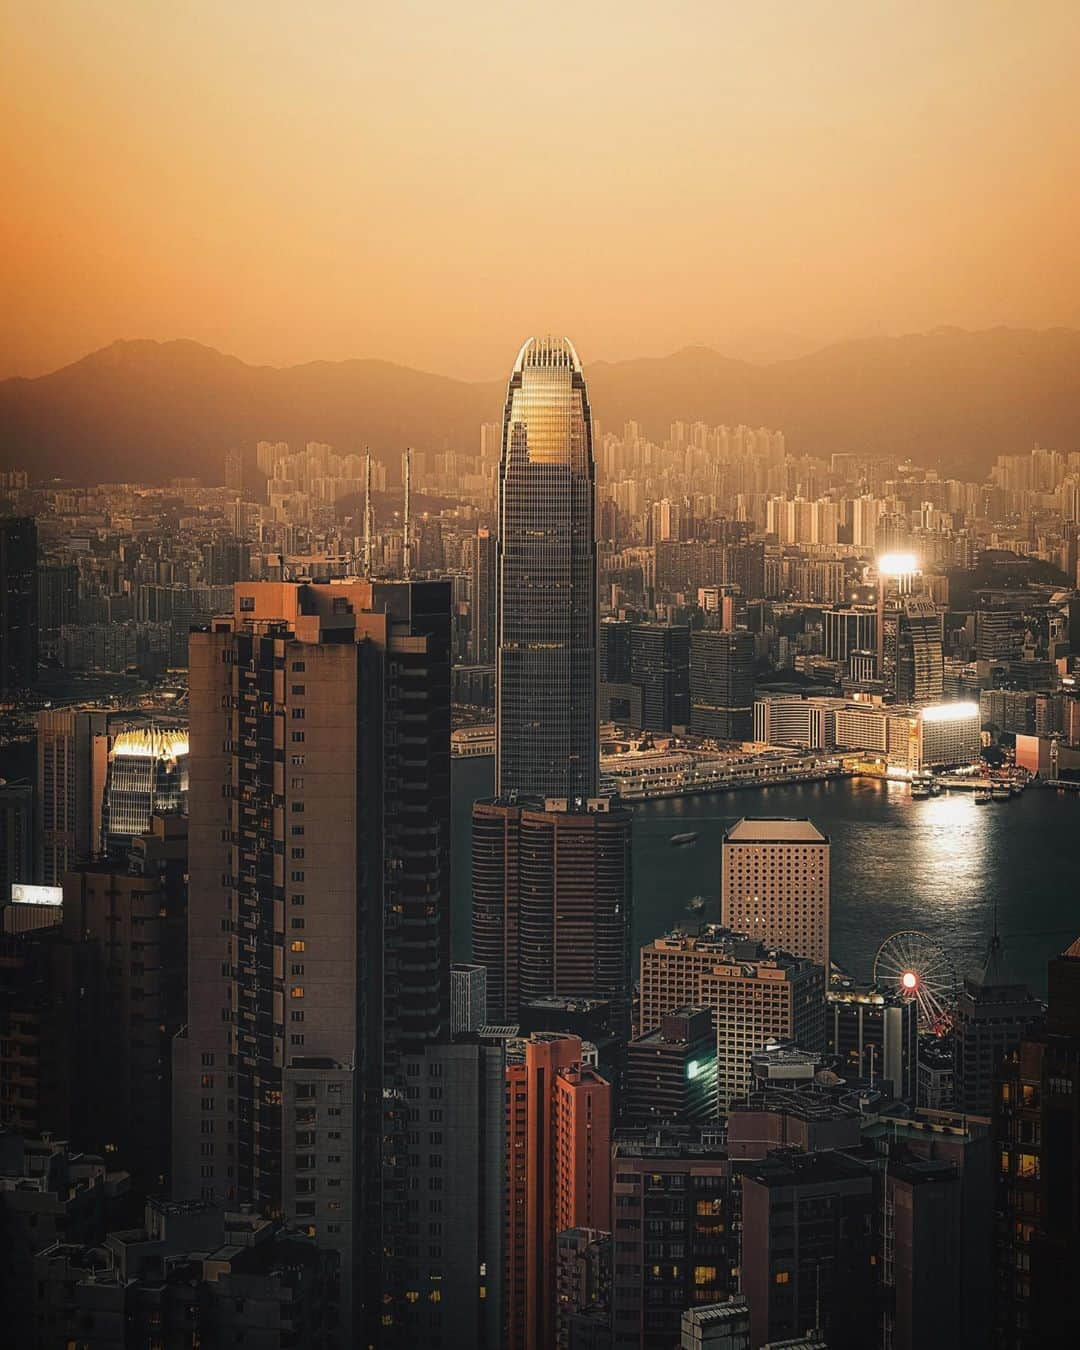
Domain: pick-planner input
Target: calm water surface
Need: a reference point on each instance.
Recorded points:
(937, 865)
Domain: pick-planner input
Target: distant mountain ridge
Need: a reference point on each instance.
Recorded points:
(145, 410)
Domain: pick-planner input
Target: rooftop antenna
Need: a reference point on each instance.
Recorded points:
(406, 551)
(367, 513)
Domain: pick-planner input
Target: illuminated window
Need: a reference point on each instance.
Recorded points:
(297, 991)
(704, 1275)
(782, 1277)
(1027, 1165)
(297, 946)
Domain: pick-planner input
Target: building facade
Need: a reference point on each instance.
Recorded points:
(775, 885)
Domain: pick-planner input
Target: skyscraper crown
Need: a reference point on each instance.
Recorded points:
(548, 351)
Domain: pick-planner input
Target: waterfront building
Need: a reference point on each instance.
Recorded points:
(558, 1167)
(546, 639)
(722, 684)
(551, 893)
(775, 885)
(790, 720)
(482, 598)
(319, 909)
(660, 669)
(875, 1035)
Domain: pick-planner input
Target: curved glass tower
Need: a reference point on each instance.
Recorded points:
(547, 736)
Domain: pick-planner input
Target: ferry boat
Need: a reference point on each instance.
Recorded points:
(681, 840)
(1000, 794)
(983, 798)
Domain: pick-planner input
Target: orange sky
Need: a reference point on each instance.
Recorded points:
(431, 180)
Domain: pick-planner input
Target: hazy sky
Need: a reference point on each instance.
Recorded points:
(431, 180)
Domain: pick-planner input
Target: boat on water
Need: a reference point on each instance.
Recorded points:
(682, 840)
(983, 798)
(920, 791)
(696, 905)
(936, 789)
(1000, 794)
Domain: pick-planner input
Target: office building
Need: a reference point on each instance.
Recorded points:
(918, 662)
(1036, 1124)
(482, 598)
(18, 604)
(808, 1257)
(670, 1074)
(791, 1114)
(809, 723)
(319, 922)
(660, 669)
(558, 1140)
(147, 777)
(468, 998)
(846, 631)
(58, 603)
(551, 889)
(775, 885)
(992, 1014)
(546, 699)
(72, 764)
(722, 684)
(755, 995)
(875, 1035)
(674, 1235)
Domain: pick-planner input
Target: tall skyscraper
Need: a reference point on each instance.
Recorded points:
(147, 776)
(551, 902)
(775, 885)
(18, 604)
(546, 709)
(558, 1140)
(994, 1010)
(319, 925)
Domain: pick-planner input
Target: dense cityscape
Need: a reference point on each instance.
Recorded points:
(249, 1091)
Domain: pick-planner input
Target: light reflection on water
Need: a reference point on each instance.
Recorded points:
(937, 865)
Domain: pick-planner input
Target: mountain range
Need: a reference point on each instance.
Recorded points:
(147, 411)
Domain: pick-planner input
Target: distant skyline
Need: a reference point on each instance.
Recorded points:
(423, 184)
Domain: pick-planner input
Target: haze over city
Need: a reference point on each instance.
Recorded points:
(425, 182)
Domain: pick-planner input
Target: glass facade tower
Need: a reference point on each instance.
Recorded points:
(547, 736)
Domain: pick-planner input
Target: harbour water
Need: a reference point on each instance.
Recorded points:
(939, 865)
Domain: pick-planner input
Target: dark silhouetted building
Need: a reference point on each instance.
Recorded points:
(18, 604)
(722, 684)
(72, 764)
(993, 1012)
(670, 1073)
(660, 668)
(551, 885)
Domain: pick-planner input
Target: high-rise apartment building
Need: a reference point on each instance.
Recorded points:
(558, 1140)
(319, 925)
(994, 1010)
(675, 1236)
(755, 995)
(72, 764)
(1036, 1133)
(551, 884)
(546, 711)
(18, 604)
(468, 997)
(722, 684)
(775, 885)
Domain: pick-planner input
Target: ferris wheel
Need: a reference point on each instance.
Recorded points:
(916, 967)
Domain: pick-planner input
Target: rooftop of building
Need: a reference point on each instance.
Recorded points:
(667, 1141)
(775, 830)
(786, 1167)
(806, 1103)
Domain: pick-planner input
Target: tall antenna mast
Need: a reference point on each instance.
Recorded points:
(406, 550)
(367, 513)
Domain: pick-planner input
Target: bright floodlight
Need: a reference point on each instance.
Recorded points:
(897, 565)
(947, 712)
(909, 979)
